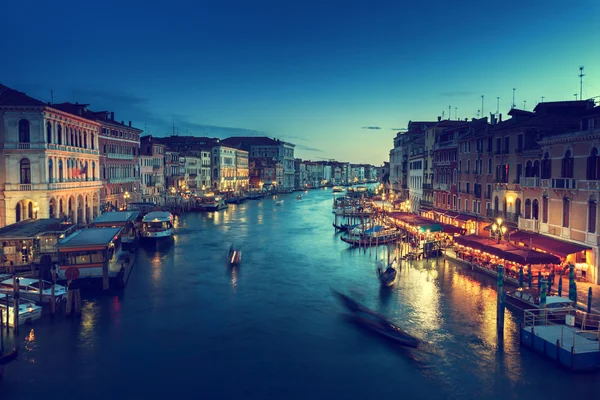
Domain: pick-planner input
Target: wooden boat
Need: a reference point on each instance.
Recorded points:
(385, 328)
(10, 356)
(527, 299)
(388, 276)
(345, 227)
(375, 322)
(366, 241)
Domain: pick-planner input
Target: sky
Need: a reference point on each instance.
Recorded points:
(338, 79)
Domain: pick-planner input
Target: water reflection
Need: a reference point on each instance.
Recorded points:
(89, 318)
(30, 346)
(234, 279)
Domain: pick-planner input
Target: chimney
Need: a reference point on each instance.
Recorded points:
(439, 118)
(500, 118)
(129, 123)
(112, 116)
(466, 119)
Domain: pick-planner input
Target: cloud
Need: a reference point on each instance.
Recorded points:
(308, 148)
(371, 127)
(456, 93)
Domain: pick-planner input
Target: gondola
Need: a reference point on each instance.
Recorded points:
(347, 302)
(366, 241)
(388, 276)
(10, 356)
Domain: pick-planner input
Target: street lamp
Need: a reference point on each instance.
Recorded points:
(126, 196)
(498, 228)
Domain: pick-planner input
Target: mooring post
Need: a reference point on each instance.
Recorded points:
(589, 302)
(52, 292)
(500, 302)
(16, 306)
(2, 331)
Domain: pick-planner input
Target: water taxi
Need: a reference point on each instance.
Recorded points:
(30, 289)
(338, 189)
(157, 225)
(210, 202)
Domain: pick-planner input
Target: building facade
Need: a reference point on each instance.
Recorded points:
(152, 166)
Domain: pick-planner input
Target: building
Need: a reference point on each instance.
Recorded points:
(265, 173)
(267, 148)
(242, 174)
(224, 171)
(416, 172)
(119, 146)
(174, 175)
(197, 170)
(152, 166)
(49, 161)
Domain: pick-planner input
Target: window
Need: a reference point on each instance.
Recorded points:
(566, 212)
(460, 166)
(49, 132)
(489, 172)
(496, 203)
(506, 144)
(474, 206)
(593, 166)
(592, 209)
(535, 209)
(518, 207)
(527, 209)
(50, 173)
(546, 167)
(25, 176)
(59, 134)
(24, 131)
(567, 165)
(60, 171)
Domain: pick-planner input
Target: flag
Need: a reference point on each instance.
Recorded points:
(80, 171)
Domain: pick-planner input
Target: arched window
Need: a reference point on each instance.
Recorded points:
(535, 209)
(527, 209)
(593, 166)
(24, 131)
(18, 212)
(92, 141)
(460, 166)
(93, 170)
(84, 140)
(86, 171)
(49, 132)
(545, 209)
(536, 169)
(59, 134)
(528, 169)
(518, 207)
(566, 212)
(61, 176)
(567, 165)
(25, 175)
(496, 204)
(592, 211)
(50, 171)
(72, 142)
(468, 166)
(455, 180)
(30, 210)
(546, 167)
(489, 171)
(504, 207)
(80, 142)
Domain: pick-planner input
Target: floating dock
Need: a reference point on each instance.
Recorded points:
(574, 345)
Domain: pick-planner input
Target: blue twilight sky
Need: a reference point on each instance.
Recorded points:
(311, 72)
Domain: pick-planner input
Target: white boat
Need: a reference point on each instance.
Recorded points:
(210, 203)
(157, 225)
(29, 289)
(279, 203)
(299, 197)
(338, 189)
(28, 311)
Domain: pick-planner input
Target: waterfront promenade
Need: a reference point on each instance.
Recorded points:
(188, 325)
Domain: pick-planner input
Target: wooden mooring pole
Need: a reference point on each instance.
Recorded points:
(500, 303)
(52, 293)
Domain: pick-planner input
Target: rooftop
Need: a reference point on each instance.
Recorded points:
(12, 97)
(116, 216)
(32, 228)
(99, 116)
(90, 237)
(252, 141)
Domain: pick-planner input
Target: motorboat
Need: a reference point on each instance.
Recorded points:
(338, 189)
(210, 202)
(235, 256)
(29, 289)
(527, 299)
(28, 310)
(157, 225)
(387, 276)
(299, 197)
(279, 203)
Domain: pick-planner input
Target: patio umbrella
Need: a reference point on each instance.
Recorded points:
(543, 294)
(529, 277)
(521, 276)
(572, 285)
(560, 284)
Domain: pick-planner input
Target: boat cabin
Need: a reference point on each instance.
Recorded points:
(144, 207)
(26, 242)
(95, 252)
(122, 219)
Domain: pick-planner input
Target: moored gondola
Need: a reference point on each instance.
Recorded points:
(10, 356)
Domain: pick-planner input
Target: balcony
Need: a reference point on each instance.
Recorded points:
(427, 186)
(565, 233)
(442, 163)
(123, 180)
(444, 145)
(155, 167)
(74, 185)
(564, 183)
(441, 186)
(425, 203)
(588, 185)
(529, 182)
(120, 156)
(529, 224)
(591, 238)
(508, 216)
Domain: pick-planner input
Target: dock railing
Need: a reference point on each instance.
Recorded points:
(579, 330)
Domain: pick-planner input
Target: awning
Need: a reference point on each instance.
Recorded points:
(547, 244)
(465, 217)
(451, 214)
(506, 251)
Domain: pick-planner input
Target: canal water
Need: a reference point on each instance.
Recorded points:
(187, 325)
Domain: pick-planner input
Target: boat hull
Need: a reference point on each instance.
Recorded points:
(371, 241)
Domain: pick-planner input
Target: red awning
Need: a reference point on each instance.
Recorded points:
(506, 251)
(465, 217)
(547, 244)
